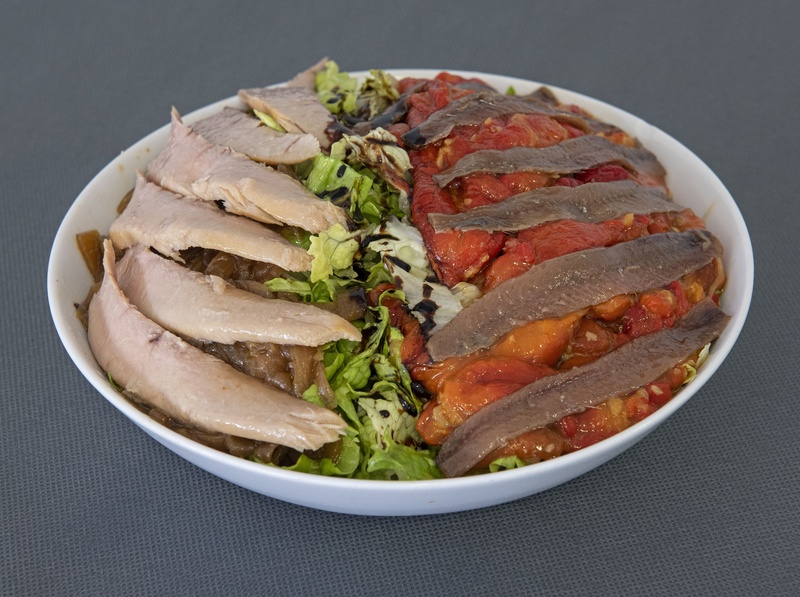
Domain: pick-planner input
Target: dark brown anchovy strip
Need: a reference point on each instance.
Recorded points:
(572, 155)
(590, 203)
(475, 108)
(547, 400)
(393, 114)
(544, 95)
(571, 282)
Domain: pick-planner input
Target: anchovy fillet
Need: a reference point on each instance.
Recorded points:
(475, 108)
(547, 400)
(565, 284)
(591, 203)
(569, 156)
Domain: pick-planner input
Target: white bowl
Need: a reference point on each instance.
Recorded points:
(693, 184)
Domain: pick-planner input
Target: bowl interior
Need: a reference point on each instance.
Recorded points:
(693, 185)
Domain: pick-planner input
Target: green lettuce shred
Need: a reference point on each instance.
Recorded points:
(371, 386)
(333, 251)
(402, 462)
(336, 90)
(344, 465)
(323, 291)
(341, 94)
(373, 393)
(378, 92)
(368, 198)
(506, 463)
(268, 121)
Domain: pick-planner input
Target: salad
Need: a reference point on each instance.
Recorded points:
(401, 279)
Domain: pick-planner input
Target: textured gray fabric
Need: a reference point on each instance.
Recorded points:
(89, 505)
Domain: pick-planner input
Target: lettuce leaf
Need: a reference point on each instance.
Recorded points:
(269, 121)
(506, 463)
(368, 198)
(322, 291)
(374, 395)
(399, 241)
(333, 251)
(336, 90)
(367, 176)
(379, 151)
(402, 462)
(344, 465)
(341, 94)
(378, 92)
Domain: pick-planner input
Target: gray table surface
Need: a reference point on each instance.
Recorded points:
(89, 505)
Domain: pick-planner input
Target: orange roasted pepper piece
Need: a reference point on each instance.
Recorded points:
(470, 388)
(540, 342)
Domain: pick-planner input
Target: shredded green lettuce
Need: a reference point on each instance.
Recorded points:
(691, 368)
(378, 92)
(322, 291)
(506, 463)
(398, 461)
(336, 90)
(341, 94)
(373, 392)
(268, 121)
(368, 198)
(296, 236)
(312, 395)
(379, 151)
(114, 384)
(400, 241)
(333, 250)
(367, 176)
(345, 464)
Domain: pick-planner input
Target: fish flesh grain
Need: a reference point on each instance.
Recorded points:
(169, 223)
(207, 308)
(249, 136)
(559, 286)
(551, 398)
(296, 109)
(567, 157)
(591, 203)
(192, 387)
(476, 108)
(194, 167)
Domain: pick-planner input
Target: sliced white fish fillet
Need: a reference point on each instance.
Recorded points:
(247, 135)
(296, 109)
(160, 219)
(191, 386)
(194, 167)
(208, 308)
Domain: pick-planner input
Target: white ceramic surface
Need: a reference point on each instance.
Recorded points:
(693, 185)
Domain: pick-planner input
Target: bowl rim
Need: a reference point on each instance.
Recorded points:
(65, 328)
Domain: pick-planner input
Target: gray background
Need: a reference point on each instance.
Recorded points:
(89, 505)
